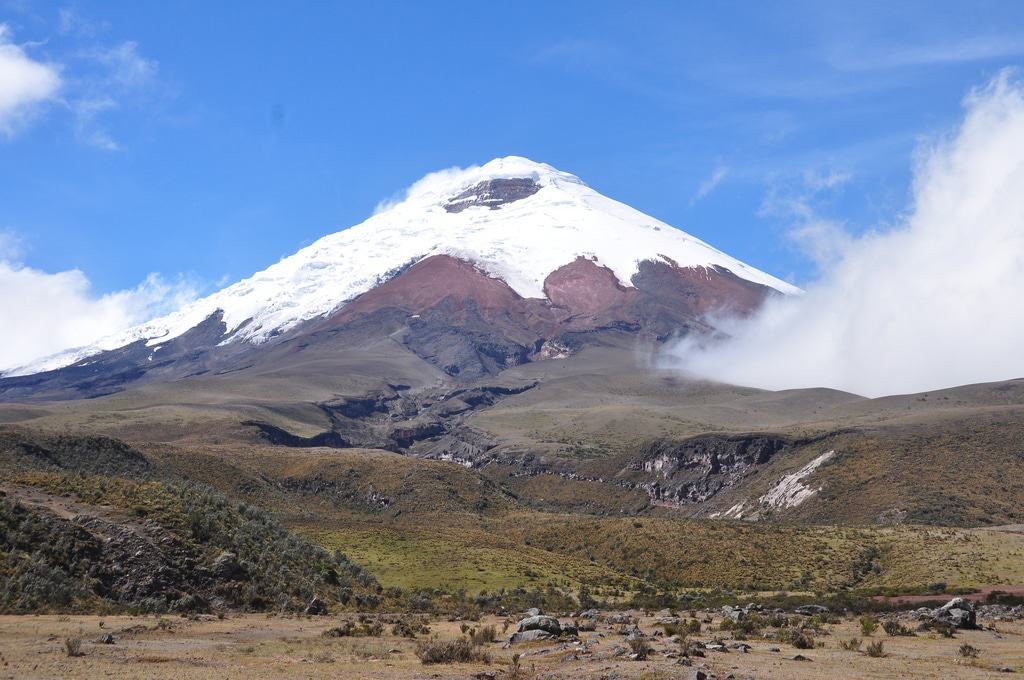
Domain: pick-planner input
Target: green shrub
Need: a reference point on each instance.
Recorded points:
(868, 625)
(895, 628)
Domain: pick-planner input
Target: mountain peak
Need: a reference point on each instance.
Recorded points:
(438, 188)
(512, 218)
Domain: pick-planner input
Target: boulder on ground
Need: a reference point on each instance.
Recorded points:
(958, 613)
(530, 636)
(811, 609)
(733, 613)
(548, 624)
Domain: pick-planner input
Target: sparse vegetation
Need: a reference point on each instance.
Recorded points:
(876, 649)
(353, 629)
(894, 628)
(461, 650)
(73, 646)
(851, 645)
(969, 651)
(640, 647)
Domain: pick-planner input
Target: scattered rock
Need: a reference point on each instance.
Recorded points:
(811, 609)
(634, 633)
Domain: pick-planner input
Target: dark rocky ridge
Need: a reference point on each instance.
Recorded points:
(429, 423)
(493, 194)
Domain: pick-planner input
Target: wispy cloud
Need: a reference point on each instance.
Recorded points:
(11, 245)
(710, 184)
(26, 84)
(953, 51)
(798, 200)
(72, 22)
(120, 74)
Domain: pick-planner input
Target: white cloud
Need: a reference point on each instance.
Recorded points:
(710, 184)
(428, 184)
(55, 312)
(25, 84)
(933, 303)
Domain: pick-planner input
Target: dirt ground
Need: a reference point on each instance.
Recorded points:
(253, 646)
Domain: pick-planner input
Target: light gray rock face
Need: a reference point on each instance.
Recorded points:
(530, 636)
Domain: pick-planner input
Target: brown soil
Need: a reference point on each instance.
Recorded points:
(253, 647)
(974, 597)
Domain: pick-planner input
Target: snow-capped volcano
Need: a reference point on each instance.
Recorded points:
(512, 219)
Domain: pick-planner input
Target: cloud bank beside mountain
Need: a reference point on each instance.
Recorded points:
(45, 313)
(935, 302)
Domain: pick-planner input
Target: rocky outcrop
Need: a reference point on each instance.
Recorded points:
(694, 470)
(958, 613)
(429, 423)
(493, 193)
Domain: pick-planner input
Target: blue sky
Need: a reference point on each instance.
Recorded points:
(207, 140)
